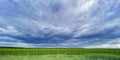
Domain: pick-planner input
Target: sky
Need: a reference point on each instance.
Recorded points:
(60, 23)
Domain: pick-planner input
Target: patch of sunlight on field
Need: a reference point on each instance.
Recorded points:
(60, 57)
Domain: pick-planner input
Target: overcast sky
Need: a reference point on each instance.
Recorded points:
(60, 23)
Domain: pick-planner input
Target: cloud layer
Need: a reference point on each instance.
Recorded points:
(63, 23)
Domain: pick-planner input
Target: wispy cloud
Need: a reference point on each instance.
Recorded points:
(63, 23)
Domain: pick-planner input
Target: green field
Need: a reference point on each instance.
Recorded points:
(58, 54)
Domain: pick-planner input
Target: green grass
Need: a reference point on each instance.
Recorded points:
(60, 57)
(72, 51)
(59, 54)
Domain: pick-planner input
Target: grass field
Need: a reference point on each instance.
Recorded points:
(59, 54)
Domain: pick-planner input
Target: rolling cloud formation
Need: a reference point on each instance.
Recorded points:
(60, 23)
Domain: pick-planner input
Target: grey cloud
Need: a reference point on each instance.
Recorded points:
(48, 21)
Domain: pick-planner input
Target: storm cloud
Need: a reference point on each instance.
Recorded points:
(60, 23)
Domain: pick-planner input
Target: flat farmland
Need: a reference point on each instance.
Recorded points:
(58, 54)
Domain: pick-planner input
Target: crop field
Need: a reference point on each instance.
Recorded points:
(58, 54)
